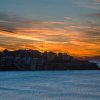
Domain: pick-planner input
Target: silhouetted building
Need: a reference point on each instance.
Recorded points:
(35, 60)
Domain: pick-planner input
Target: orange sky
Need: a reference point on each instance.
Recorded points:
(73, 38)
(71, 26)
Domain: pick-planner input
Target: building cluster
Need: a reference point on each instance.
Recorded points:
(35, 60)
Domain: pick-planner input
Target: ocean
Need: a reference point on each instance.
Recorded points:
(50, 85)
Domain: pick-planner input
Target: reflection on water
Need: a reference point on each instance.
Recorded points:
(50, 85)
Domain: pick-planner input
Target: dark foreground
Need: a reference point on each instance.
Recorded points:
(35, 60)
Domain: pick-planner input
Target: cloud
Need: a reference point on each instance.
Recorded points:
(94, 15)
(13, 43)
(68, 18)
(7, 23)
(10, 22)
(97, 0)
(76, 38)
(36, 30)
(93, 4)
(7, 17)
(90, 31)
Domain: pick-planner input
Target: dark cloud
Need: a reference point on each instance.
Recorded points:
(10, 22)
(8, 17)
(95, 15)
(89, 32)
(91, 35)
(8, 27)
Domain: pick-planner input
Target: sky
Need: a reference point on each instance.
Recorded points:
(71, 26)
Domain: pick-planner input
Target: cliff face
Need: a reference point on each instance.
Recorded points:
(35, 60)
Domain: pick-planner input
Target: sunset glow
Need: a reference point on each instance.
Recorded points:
(75, 31)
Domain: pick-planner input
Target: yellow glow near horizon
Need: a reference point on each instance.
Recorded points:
(63, 39)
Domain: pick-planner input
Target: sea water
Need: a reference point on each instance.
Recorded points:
(50, 85)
